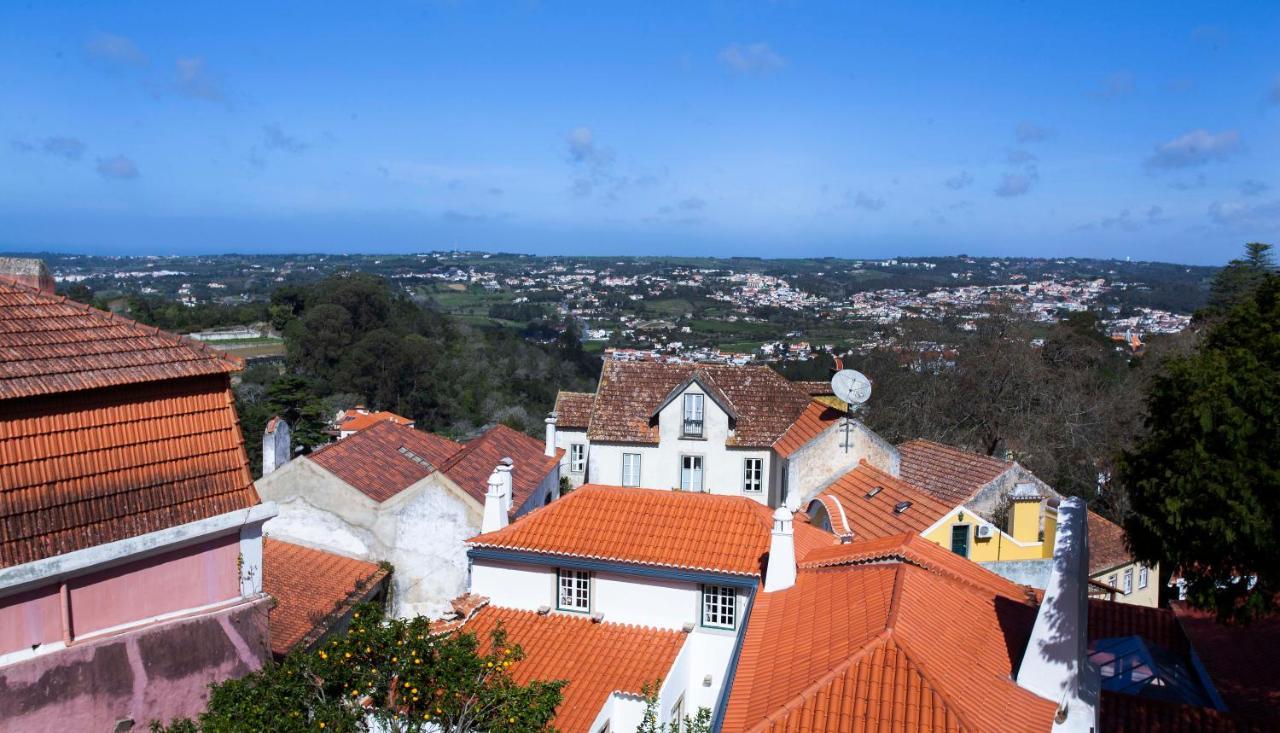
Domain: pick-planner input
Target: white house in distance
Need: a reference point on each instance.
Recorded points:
(737, 430)
(392, 493)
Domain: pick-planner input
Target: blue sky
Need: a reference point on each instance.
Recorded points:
(1148, 130)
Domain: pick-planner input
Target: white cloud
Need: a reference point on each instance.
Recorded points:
(1194, 148)
(1015, 184)
(1119, 84)
(753, 58)
(117, 167)
(1029, 132)
(963, 179)
(863, 200)
(112, 50)
(193, 79)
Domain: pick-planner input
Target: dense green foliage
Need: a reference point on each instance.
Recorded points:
(384, 674)
(699, 722)
(1204, 481)
(178, 318)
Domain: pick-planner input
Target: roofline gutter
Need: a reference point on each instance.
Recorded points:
(108, 554)
(722, 705)
(614, 566)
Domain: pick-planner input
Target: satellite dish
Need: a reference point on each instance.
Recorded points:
(851, 386)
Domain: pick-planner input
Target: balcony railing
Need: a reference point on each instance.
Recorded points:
(692, 428)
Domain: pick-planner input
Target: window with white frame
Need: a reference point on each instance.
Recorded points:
(577, 458)
(692, 416)
(1112, 581)
(691, 473)
(753, 475)
(1128, 581)
(630, 469)
(675, 719)
(573, 590)
(719, 606)
(1143, 578)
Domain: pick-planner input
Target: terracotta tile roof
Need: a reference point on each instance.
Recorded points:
(1123, 713)
(629, 393)
(379, 461)
(313, 589)
(1106, 545)
(573, 409)
(694, 531)
(84, 468)
(1241, 660)
(815, 387)
(470, 467)
(816, 418)
(597, 659)
(1109, 619)
(951, 474)
(49, 344)
(876, 517)
(884, 646)
(354, 420)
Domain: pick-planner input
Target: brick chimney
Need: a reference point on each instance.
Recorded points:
(550, 449)
(495, 514)
(28, 271)
(781, 571)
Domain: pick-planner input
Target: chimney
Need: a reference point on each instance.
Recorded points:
(28, 271)
(1056, 665)
(276, 448)
(1024, 513)
(504, 471)
(550, 450)
(495, 514)
(781, 572)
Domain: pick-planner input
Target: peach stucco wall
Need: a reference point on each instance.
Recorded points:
(30, 618)
(194, 576)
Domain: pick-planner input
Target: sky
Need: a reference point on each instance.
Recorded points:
(773, 129)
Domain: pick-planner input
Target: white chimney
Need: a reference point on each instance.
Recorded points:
(276, 445)
(1056, 664)
(495, 514)
(781, 572)
(550, 450)
(504, 469)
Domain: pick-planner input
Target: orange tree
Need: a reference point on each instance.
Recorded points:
(384, 674)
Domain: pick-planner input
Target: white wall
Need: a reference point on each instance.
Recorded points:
(511, 585)
(565, 438)
(824, 459)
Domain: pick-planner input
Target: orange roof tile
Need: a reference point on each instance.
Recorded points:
(573, 409)
(354, 421)
(951, 474)
(876, 517)
(814, 387)
(470, 467)
(1123, 713)
(312, 588)
(695, 531)
(1241, 660)
(597, 659)
(49, 344)
(1106, 545)
(816, 418)
(81, 469)
(765, 404)
(885, 646)
(379, 461)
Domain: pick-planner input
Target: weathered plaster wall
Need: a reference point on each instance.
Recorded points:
(565, 438)
(988, 499)
(158, 672)
(813, 466)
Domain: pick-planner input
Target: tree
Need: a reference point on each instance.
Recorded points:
(1235, 282)
(1204, 481)
(699, 722)
(384, 674)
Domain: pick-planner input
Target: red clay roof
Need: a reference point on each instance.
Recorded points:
(49, 344)
(1123, 713)
(379, 461)
(354, 421)
(1106, 545)
(695, 531)
(81, 469)
(814, 387)
(1109, 619)
(629, 392)
(951, 474)
(875, 517)
(470, 467)
(1241, 660)
(573, 410)
(885, 645)
(816, 418)
(597, 659)
(312, 588)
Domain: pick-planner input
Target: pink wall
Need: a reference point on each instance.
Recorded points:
(188, 578)
(29, 618)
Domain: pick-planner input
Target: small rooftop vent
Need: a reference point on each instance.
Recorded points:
(414, 457)
(901, 507)
(872, 493)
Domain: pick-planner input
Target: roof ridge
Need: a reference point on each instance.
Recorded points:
(583, 618)
(895, 603)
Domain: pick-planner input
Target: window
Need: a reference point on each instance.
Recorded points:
(577, 458)
(574, 590)
(960, 539)
(675, 719)
(1142, 576)
(719, 606)
(753, 475)
(691, 473)
(630, 469)
(692, 416)
(1128, 581)
(1111, 581)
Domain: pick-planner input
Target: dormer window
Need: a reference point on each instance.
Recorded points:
(692, 426)
(573, 590)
